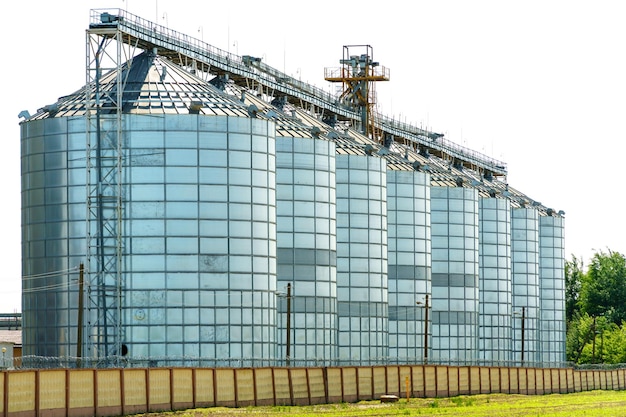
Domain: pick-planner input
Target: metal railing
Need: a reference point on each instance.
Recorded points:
(153, 34)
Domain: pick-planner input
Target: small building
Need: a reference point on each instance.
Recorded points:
(11, 348)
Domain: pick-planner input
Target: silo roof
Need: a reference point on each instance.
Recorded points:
(151, 85)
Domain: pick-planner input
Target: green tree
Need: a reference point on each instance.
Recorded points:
(580, 331)
(613, 344)
(595, 348)
(573, 281)
(603, 287)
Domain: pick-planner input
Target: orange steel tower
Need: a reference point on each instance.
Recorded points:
(357, 74)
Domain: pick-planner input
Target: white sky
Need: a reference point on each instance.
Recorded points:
(539, 84)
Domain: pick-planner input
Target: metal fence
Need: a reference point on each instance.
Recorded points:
(122, 391)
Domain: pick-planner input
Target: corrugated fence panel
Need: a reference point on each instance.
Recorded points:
(109, 392)
(300, 386)
(484, 380)
(531, 381)
(393, 380)
(52, 387)
(568, 382)
(577, 381)
(317, 385)
(205, 394)
(81, 392)
(417, 381)
(159, 393)
(245, 387)
(538, 380)
(380, 381)
(21, 395)
(282, 386)
(182, 392)
(612, 382)
(135, 391)
(264, 386)
(453, 381)
(365, 382)
(335, 384)
(564, 381)
(464, 380)
(225, 383)
(349, 385)
(514, 377)
(620, 379)
(430, 381)
(597, 379)
(505, 380)
(555, 381)
(474, 380)
(404, 374)
(441, 373)
(495, 375)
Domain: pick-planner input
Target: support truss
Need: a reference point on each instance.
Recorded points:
(106, 53)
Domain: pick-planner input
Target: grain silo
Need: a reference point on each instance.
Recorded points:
(257, 217)
(455, 304)
(525, 282)
(495, 279)
(167, 197)
(408, 205)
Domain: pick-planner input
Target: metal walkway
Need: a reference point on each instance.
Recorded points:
(187, 51)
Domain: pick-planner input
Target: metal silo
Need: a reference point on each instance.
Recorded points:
(495, 279)
(306, 232)
(525, 278)
(409, 237)
(192, 217)
(552, 288)
(362, 257)
(306, 240)
(455, 302)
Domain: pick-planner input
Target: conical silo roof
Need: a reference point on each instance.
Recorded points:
(152, 85)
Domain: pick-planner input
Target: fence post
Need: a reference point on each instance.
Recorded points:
(5, 409)
(37, 393)
(147, 383)
(122, 392)
(67, 392)
(325, 377)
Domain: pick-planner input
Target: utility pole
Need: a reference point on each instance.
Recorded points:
(523, 325)
(288, 349)
(79, 341)
(425, 327)
(426, 330)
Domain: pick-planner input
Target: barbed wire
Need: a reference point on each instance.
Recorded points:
(51, 362)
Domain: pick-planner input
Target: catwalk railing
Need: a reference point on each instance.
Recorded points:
(121, 391)
(146, 34)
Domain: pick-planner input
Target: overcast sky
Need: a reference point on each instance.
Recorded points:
(540, 85)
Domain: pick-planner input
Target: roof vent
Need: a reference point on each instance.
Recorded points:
(253, 110)
(50, 108)
(369, 149)
(459, 182)
(195, 107)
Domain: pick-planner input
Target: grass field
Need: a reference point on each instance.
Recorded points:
(594, 403)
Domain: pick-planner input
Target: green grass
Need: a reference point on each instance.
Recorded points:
(593, 403)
